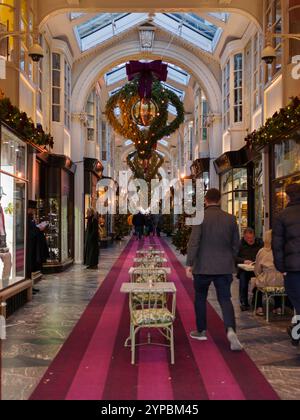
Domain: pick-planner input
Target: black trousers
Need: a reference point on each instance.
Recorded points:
(222, 284)
(292, 287)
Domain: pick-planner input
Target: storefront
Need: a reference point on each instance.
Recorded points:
(55, 206)
(236, 185)
(285, 169)
(13, 198)
(200, 170)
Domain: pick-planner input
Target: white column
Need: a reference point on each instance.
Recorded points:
(78, 148)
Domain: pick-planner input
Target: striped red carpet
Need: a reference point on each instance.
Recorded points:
(93, 364)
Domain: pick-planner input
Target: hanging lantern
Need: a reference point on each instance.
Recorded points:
(144, 112)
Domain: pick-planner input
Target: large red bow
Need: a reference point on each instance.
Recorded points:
(147, 71)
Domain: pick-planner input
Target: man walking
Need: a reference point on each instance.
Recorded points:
(286, 248)
(212, 250)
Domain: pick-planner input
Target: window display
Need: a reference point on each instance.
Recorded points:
(235, 195)
(12, 209)
(285, 160)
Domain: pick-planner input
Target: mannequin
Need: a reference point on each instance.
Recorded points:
(5, 255)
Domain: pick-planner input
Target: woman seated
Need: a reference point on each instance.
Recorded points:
(267, 275)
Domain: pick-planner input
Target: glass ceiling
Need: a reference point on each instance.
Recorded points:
(190, 26)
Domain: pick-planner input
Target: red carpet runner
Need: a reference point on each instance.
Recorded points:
(94, 365)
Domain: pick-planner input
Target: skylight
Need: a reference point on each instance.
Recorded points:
(104, 26)
(113, 92)
(178, 75)
(178, 92)
(221, 16)
(164, 143)
(116, 75)
(192, 28)
(74, 16)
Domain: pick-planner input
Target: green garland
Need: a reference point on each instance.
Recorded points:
(278, 127)
(145, 140)
(23, 125)
(138, 168)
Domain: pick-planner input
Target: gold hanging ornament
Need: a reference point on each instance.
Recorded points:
(144, 112)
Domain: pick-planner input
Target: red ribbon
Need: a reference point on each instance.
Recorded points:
(147, 71)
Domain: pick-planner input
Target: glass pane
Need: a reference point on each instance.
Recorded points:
(56, 78)
(12, 230)
(56, 96)
(56, 61)
(287, 157)
(240, 180)
(227, 182)
(227, 203)
(241, 209)
(13, 154)
(56, 113)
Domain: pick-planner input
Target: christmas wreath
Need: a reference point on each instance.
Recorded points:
(144, 138)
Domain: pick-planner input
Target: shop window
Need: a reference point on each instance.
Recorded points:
(235, 195)
(56, 87)
(238, 88)
(287, 157)
(12, 209)
(226, 96)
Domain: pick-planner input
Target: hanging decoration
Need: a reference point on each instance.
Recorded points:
(139, 111)
(146, 169)
(277, 127)
(23, 125)
(146, 72)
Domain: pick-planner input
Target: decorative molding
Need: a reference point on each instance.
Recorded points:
(81, 116)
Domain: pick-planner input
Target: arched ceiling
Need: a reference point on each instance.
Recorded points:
(205, 33)
(253, 8)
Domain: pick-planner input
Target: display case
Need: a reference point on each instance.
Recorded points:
(13, 191)
(54, 194)
(236, 179)
(285, 169)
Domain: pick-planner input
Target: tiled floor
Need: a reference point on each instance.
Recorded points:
(46, 322)
(50, 317)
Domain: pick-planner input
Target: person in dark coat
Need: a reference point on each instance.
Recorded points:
(138, 222)
(37, 251)
(212, 249)
(149, 224)
(286, 248)
(249, 248)
(91, 250)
